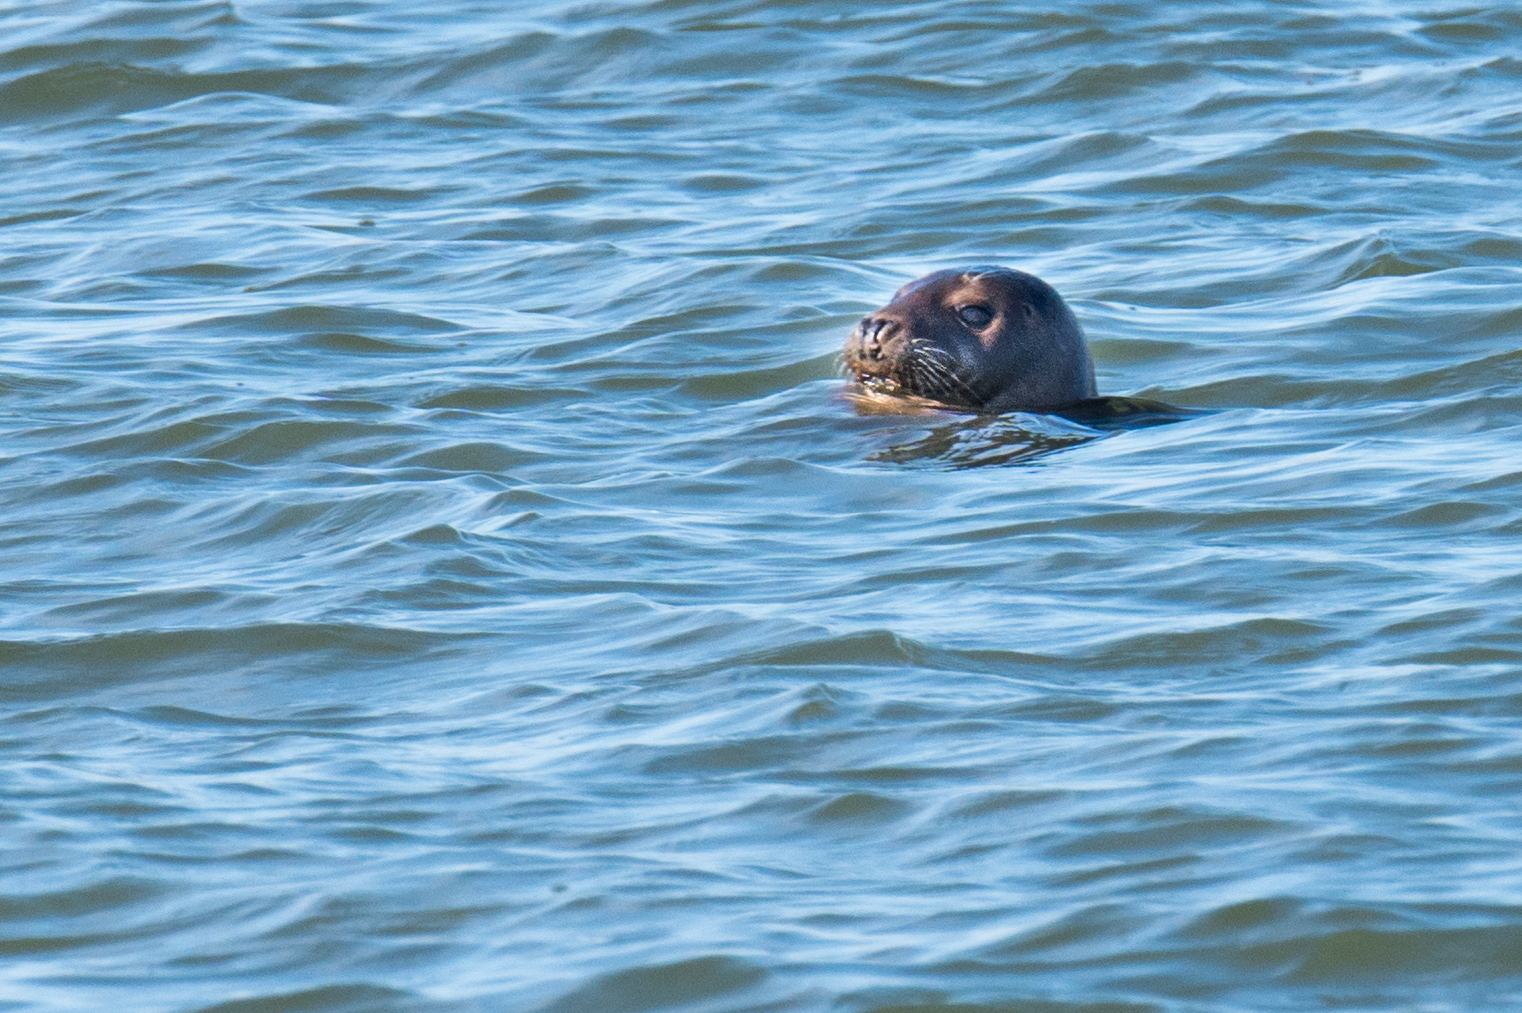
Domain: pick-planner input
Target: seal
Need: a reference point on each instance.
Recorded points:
(981, 339)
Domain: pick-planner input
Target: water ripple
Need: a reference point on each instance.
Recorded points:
(443, 571)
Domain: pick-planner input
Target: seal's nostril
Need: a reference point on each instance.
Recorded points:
(873, 331)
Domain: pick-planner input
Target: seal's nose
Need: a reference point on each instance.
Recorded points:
(875, 331)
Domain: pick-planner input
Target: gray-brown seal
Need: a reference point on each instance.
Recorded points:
(984, 339)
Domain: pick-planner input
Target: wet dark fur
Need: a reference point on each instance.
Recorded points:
(931, 341)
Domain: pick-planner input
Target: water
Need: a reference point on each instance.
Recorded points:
(441, 570)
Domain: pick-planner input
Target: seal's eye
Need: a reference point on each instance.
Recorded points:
(975, 316)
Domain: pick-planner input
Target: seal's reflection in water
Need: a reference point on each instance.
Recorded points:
(980, 441)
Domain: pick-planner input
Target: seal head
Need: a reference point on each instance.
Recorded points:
(983, 339)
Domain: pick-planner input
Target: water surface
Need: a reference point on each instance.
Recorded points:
(441, 571)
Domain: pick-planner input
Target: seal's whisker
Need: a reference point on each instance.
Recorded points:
(913, 377)
(930, 361)
(927, 375)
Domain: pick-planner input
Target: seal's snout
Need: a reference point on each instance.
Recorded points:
(874, 332)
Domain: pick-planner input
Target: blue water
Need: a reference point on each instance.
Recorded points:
(444, 571)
